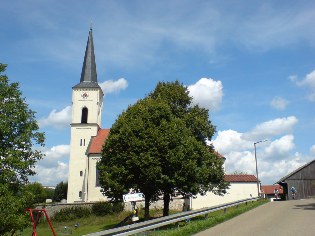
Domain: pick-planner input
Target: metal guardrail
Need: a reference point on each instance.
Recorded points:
(162, 221)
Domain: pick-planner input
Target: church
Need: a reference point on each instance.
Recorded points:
(87, 137)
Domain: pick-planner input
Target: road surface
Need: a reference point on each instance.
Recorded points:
(295, 217)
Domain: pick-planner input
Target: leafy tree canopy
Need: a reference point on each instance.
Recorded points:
(18, 134)
(38, 192)
(158, 147)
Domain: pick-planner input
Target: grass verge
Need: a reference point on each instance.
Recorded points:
(96, 223)
(201, 223)
(86, 225)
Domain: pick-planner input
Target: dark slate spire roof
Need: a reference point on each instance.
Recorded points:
(88, 74)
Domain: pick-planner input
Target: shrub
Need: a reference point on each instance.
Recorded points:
(118, 207)
(102, 208)
(105, 208)
(72, 213)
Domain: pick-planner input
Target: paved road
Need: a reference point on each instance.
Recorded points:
(296, 217)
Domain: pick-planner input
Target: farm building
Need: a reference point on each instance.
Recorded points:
(303, 179)
(268, 191)
(241, 187)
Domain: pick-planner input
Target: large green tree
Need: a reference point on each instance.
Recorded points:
(158, 147)
(18, 136)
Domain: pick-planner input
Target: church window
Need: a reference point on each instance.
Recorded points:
(84, 117)
(82, 142)
(80, 194)
(97, 181)
(81, 173)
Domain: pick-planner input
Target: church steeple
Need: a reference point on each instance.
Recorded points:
(88, 74)
(87, 105)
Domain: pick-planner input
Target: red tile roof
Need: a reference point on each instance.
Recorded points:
(270, 189)
(240, 178)
(98, 141)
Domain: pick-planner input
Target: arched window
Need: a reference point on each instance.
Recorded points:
(80, 194)
(97, 181)
(84, 116)
(81, 173)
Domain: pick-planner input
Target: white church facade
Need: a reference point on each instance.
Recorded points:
(87, 139)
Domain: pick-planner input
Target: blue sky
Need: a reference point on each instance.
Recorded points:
(251, 63)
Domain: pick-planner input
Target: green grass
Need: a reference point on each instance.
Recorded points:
(94, 223)
(86, 225)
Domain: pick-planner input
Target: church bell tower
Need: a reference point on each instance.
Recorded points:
(87, 102)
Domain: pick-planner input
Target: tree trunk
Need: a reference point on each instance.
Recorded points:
(147, 208)
(166, 209)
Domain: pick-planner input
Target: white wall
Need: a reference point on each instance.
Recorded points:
(93, 101)
(237, 191)
(80, 138)
(94, 192)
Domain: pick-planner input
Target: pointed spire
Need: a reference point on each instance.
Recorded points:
(88, 74)
(89, 66)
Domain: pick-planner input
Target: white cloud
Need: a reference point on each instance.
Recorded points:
(57, 119)
(230, 140)
(281, 147)
(275, 158)
(57, 152)
(293, 78)
(51, 176)
(53, 168)
(279, 103)
(240, 161)
(271, 128)
(207, 93)
(112, 86)
(54, 154)
(271, 172)
(309, 82)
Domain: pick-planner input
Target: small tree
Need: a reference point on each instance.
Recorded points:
(37, 191)
(18, 135)
(60, 191)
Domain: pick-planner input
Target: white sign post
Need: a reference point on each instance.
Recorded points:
(133, 197)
